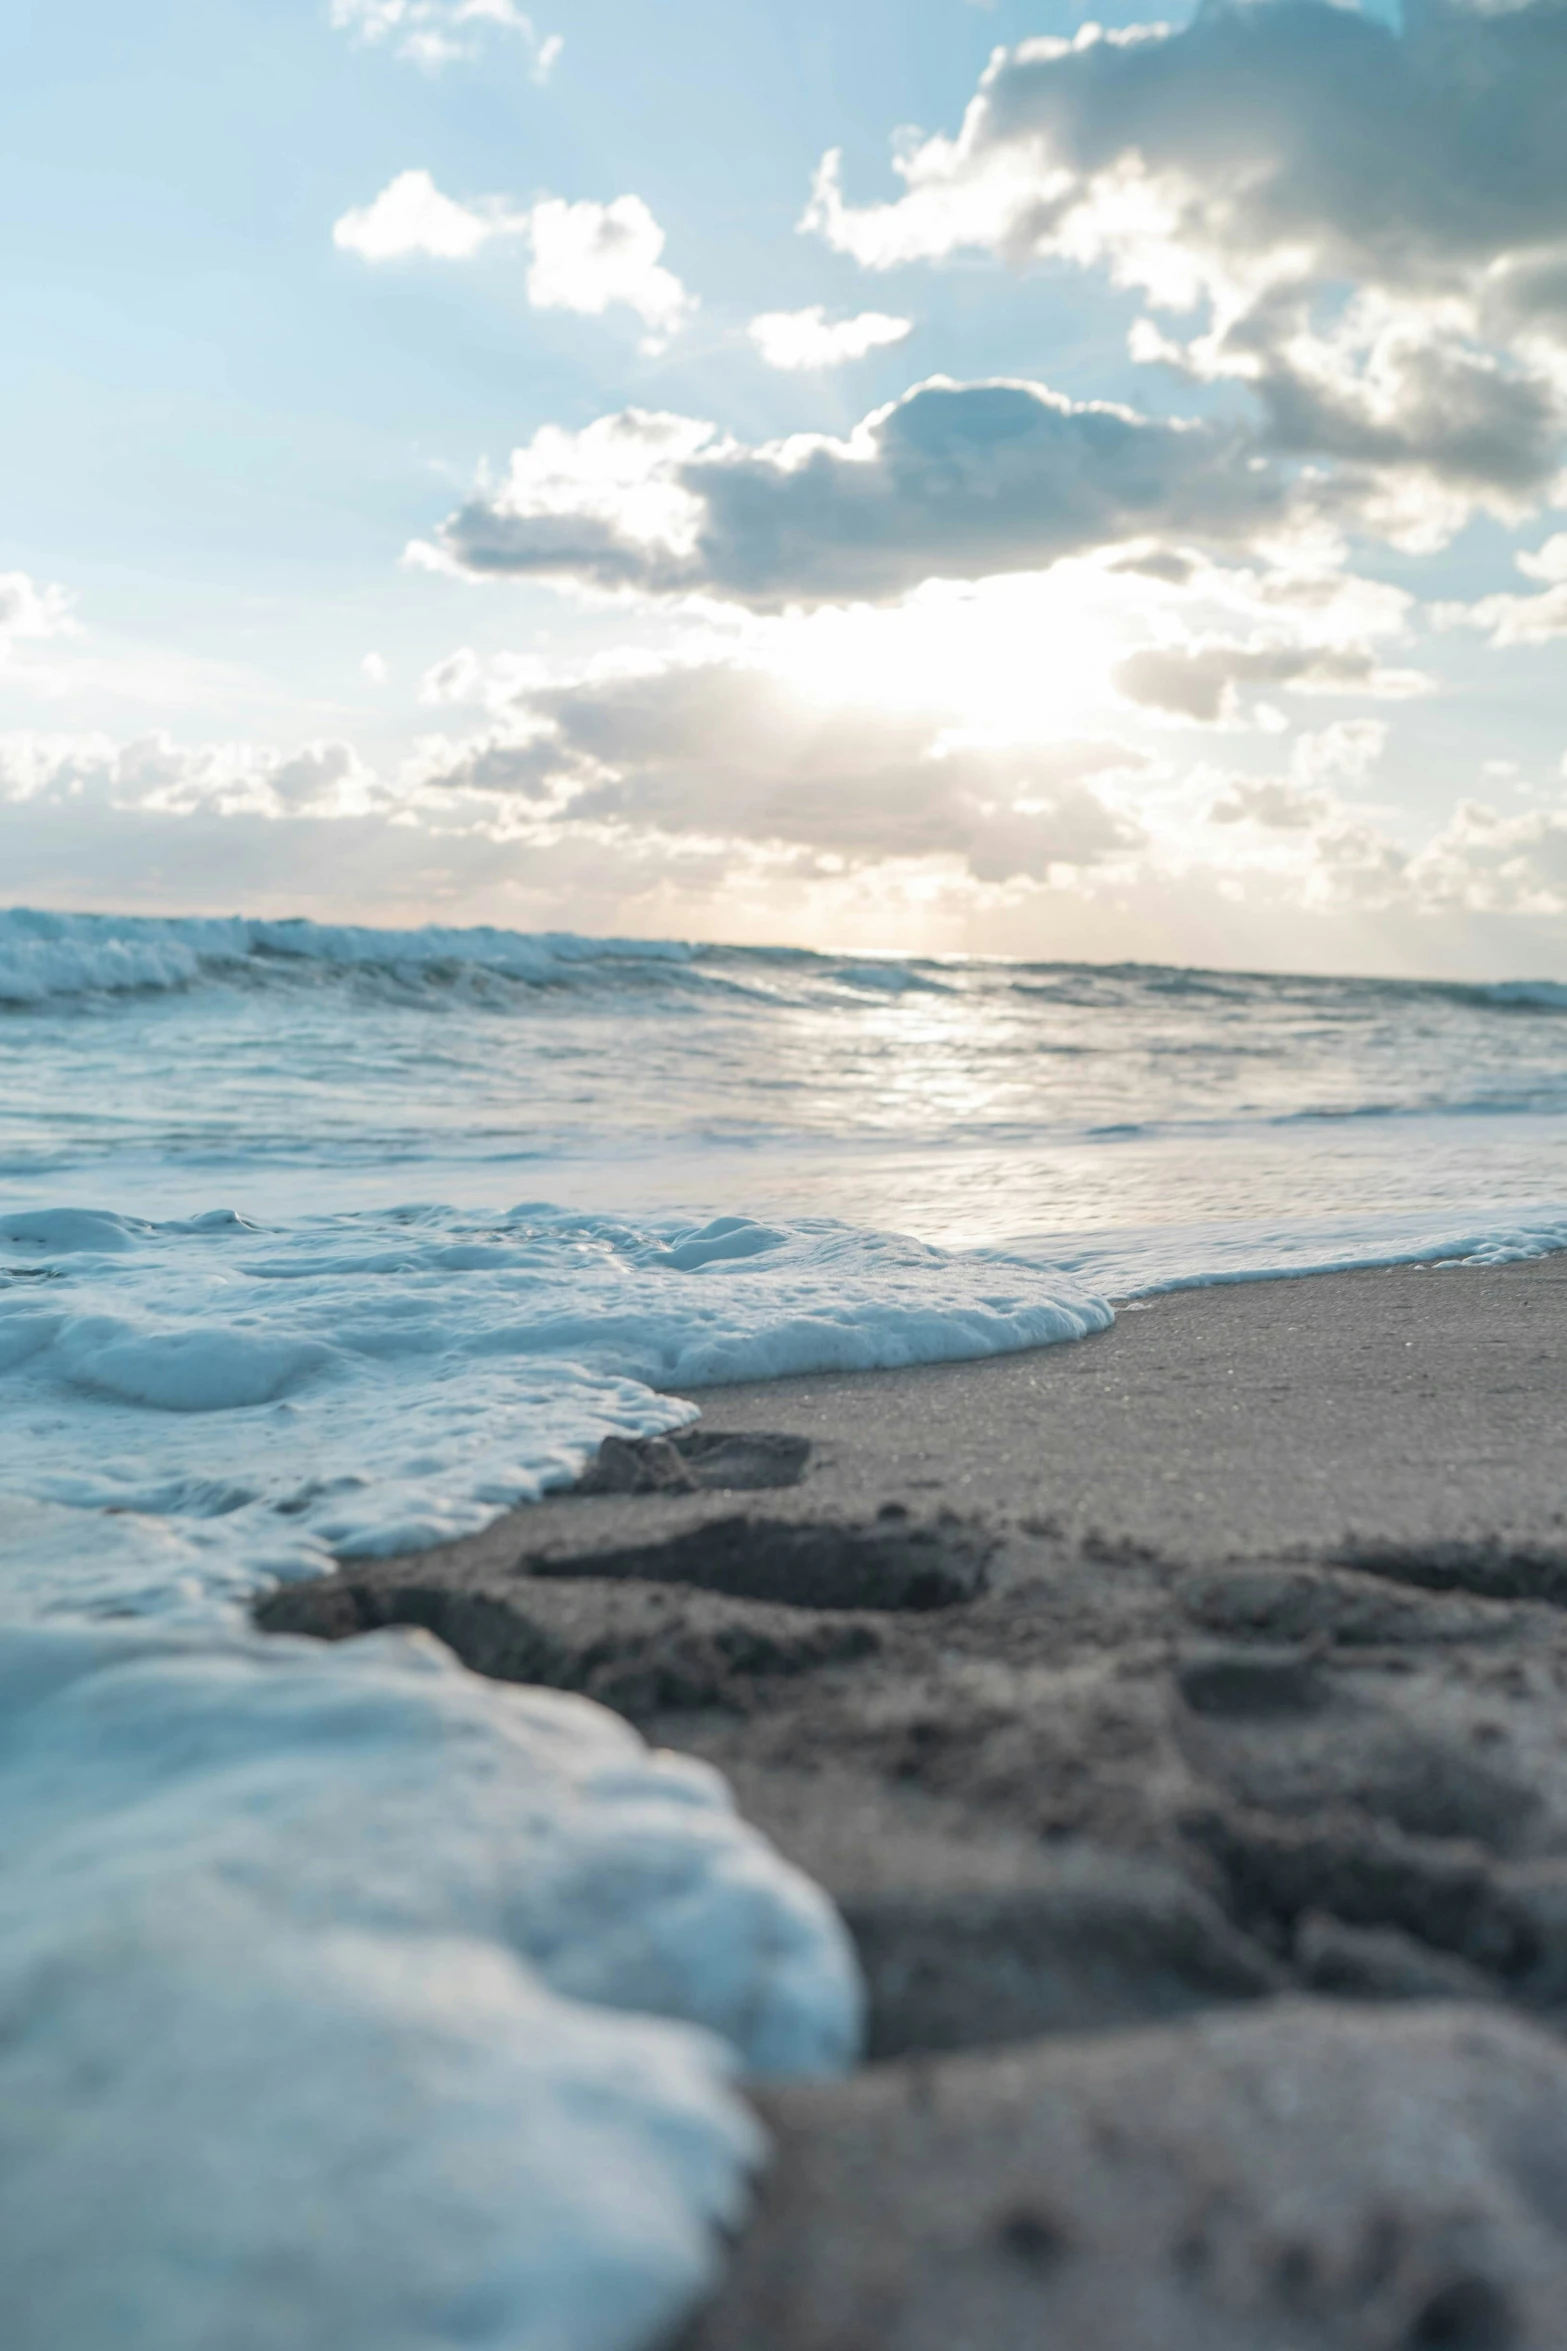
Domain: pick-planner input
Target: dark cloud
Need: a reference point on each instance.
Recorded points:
(1162, 563)
(1450, 410)
(1366, 227)
(1399, 154)
(1202, 681)
(953, 481)
(961, 480)
(1373, 216)
(527, 769)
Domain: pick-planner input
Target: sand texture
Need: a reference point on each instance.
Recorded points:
(1178, 1719)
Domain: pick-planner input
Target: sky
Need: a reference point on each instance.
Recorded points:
(914, 475)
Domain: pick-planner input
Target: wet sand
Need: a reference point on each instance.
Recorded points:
(1177, 1717)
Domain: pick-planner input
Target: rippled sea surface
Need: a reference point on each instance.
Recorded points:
(170, 1068)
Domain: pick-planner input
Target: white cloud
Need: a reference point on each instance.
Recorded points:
(800, 339)
(704, 793)
(1032, 656)
(1298, 825)
(436, 33)
(718, 761)
(45, 652)
(1485, 863)
(457, 678)
(1371, 223)
(1267, 801)
(154, 775)
(88, 820)
(1520, 620)
(30, 613)
(412, 216)
(1322, 854)
(586, 257)
(1350, 747)
(607, 503)
(730, 751)
(952, 481)
(1548, 562)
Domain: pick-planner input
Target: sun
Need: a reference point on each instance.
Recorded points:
(1014, 660)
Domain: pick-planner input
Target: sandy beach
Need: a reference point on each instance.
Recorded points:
(1158, 1709)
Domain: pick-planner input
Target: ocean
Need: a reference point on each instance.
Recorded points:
(321, 1241)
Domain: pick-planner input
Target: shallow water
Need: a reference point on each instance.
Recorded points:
(322, 1241)
(286, 1069)
(319, 1240)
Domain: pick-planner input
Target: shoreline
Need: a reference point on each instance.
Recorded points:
(1149, 1705)
(1297, 1412)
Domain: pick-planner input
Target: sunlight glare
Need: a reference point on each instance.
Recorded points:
(1010, 660)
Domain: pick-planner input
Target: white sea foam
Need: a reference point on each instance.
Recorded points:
(1137, 1263)
(376, 1382)
(338, 1933)
(309, 1960)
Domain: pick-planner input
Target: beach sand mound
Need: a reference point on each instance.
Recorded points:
(1201, 1828)
(1282, 2179)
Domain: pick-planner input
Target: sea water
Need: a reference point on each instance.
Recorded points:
(351, 2001)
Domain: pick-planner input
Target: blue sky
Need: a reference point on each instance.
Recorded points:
(1213, 604)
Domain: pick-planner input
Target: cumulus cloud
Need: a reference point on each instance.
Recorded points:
(712, 759)
(725, 761)
(411, 216)
(156, 775)
(646, 801)
(1298, 839)
(725, 751)
(803, 339)
(1521, 620)
(527, 768)
(608, 504)
(436, 33)
(1373, 221)
(585, 257)
(1483, 862)
(1271, 802)
(1202, 681)
(92, 820)
(1309, 799)
(29, 613)
(952, 481)
(1349, 748)
(1320, 761)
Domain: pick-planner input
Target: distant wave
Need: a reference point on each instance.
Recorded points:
(1520, 995)
(43, 956)
(50, 958)
(46, 958)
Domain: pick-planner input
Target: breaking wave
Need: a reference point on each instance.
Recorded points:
(63, 958)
